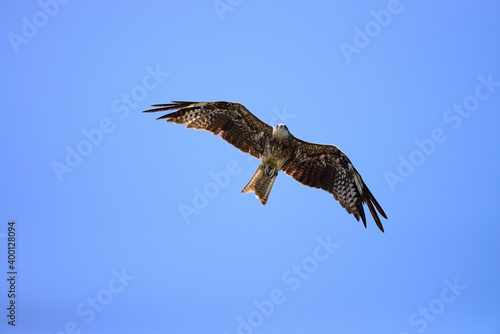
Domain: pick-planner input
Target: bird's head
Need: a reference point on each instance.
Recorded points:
(281, 131)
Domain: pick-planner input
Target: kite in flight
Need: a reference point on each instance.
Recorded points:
(314, 165)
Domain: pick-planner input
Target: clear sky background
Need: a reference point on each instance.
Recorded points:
(125, 224)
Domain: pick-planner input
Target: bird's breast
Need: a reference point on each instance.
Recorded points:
(277, 152)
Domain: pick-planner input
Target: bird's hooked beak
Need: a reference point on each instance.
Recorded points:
(281, 130)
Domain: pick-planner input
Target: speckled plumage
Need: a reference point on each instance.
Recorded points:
(315, 165)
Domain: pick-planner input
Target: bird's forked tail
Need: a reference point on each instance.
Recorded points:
(261, 183)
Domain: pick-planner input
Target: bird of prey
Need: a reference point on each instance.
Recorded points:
(314, 165)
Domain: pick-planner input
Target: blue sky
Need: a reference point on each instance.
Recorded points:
(125, 224)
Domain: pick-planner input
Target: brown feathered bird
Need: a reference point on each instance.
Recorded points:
(315, 165)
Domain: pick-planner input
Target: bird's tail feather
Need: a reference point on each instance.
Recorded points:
(261, 183)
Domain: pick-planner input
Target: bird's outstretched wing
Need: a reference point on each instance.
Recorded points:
(328, 168)
(231, 120)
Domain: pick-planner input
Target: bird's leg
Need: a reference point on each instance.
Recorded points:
(269, 171)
